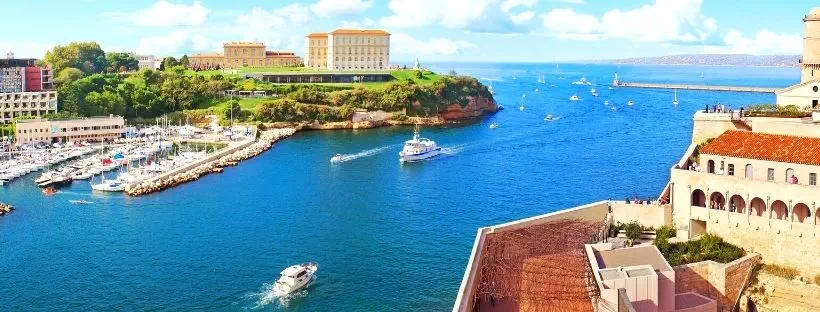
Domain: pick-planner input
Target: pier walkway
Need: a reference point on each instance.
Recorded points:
(696, 87)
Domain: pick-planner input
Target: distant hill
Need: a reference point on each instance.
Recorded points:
(715, 60)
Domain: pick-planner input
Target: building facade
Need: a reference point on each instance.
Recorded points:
(147, 61)
(19, 104)
(94, 129)
(243, 54)
(348, 49)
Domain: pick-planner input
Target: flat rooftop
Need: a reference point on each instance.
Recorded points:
(633, 256)
(690, 300)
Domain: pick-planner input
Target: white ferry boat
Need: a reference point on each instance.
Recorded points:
(418, 148)
(295, 277)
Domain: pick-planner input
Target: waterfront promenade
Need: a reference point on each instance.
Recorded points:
(695, 87)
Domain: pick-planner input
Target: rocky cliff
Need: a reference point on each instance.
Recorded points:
(477, 106)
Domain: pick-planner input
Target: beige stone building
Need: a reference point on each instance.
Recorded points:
(348, 49)
(93, 129)
(807, 92)
(19, 104)
(243, 54)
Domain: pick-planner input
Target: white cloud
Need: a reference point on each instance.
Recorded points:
(326, 8)
(508, 5)
(522, 17)
(164, 14)
(485, 16)
(764, 42)
(366, 23)
(665, 21)
(24, 49)
(277, 18)
(168, 44)
(571, 1)
(405, 44)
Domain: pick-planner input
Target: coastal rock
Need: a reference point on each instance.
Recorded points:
(476, 107)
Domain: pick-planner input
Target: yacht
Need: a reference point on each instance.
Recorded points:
(336, 158)
(583, 81)
(675, 101)
(574, 97)
(549, 118)
(418, 148)
(109, 186)
(294, 278)
(629, 103)
(493, 125)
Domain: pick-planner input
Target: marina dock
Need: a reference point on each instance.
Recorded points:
(695, 87)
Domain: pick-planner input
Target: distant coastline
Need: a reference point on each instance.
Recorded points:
(713, 60)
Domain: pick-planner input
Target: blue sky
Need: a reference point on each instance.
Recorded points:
(432, 30)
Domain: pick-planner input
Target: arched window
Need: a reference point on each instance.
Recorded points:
(710, 166)
(749, 172)
(801, 213)
(779, 210)
(718, 201)
(737, 204)
(698, 198)
(758, 207)
(789, 174)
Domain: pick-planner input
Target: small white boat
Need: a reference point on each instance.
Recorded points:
(80, 202)
(549, 118)
(109, 186)
(606, 102)
(574, 97)
(418, 148)
(521, 108)
(582, 81)
(630, 103)
(336, 158)
(294, 278)
(493, 125)
(675, 101)
(594, 93)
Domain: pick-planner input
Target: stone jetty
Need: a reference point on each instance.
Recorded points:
(212, 164)
(5, 209)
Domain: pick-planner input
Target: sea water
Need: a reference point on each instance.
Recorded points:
(387, 236)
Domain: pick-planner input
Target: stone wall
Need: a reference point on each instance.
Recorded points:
(647, 215)
(721, 282)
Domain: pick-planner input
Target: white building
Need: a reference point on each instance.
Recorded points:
(348, 49)
(147, 61)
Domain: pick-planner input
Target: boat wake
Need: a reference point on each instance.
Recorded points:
(453, 150)
(267, 296)
(362, 154)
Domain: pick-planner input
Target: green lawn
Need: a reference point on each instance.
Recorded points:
(427, 78)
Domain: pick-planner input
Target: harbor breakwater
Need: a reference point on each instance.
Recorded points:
(231, 156)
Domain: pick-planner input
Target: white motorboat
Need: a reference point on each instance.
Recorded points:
(574, 97)
(80, 202)
(493, 126)
(336, 158)
(630, 103)
(418, 148)
(583, 81)
(549, 118)
(675, 101)
(521, 108)
(606, 102)
(109, 185)
(294, 278)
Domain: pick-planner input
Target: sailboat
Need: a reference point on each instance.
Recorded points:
(523, 97)
(675, 101)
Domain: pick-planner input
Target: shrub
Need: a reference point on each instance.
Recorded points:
(781, 271)
(665, 232)
(708, 247)
(633, 231)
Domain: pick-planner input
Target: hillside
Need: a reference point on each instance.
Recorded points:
(715, 60)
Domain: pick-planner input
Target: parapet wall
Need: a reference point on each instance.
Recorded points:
(721, 282)
(647, 215)
(595, 212)
(711, 125)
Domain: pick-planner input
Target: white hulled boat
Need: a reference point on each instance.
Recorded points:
(418, 148)
(574, 97)
(295, 277)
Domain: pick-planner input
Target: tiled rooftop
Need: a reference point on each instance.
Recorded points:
(762, 146)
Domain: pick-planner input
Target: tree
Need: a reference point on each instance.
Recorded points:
(168, 62)
(86, 56)
(120, 62)
(68, 75)
(184, 61)
(452, 72)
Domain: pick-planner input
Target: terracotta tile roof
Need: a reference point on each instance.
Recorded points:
(761, 146)
(317, 35)
(359, 32)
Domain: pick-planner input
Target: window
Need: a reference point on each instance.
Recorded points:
(812, 179)
(731, 169)
(770, 174)
(789, 175)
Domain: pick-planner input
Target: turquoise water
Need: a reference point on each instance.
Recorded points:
(387, 237)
